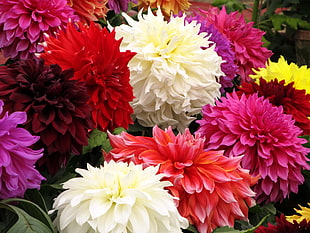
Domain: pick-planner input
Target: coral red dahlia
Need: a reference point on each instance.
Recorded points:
(95, 56)
(213, 190)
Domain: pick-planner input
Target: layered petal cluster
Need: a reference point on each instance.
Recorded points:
(89, 10)
(168, 7)
(95, 56)
(245, 40)
(56, 107)
(281, 70)
(294, 101)
(17, 170)
(268, 139)
(120, 5)
(223, 49)
(172, 76)
(117, 198)
(284, 226)
(23, 22)
(303, 213)
(212, 189)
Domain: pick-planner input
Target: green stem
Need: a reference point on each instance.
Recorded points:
(255, 12)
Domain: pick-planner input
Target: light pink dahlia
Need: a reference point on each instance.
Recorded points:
(17, 171)
(245, 40)
(268, 139)
(213, 190)
(23, 22)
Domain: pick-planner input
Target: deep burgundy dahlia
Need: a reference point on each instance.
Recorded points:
(294, 101)
(56, 107)
(283, 226)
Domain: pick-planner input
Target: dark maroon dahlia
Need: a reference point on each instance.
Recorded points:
(56, 107)
(283, 226)
(294, 101)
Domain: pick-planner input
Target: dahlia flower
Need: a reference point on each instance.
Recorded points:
(117, 198)
(89, 10)
(222, 48)
(168, 7)
(212, 189)
(268, 139)
(295, 102)
(304, 213)
(56, 107)
(23, 22)
(281, 70)
(120, 5)
(17, 170)
(245, 40)
(95, 56)
(283, 226)
(171, 75)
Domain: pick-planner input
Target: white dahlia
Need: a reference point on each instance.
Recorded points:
(117, 198)
(172, 76)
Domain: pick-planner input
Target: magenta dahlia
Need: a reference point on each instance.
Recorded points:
(294, 101)
(56, 107)
(245, 40)
(23, 22)
(17, 170)
(266, 137)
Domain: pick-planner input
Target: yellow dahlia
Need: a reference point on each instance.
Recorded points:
(304, 213)
(281, 70)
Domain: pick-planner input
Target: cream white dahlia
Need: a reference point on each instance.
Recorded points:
(117, 198)
(172, 76)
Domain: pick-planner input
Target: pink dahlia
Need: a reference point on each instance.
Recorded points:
(212, 190)
(89, 10)
(294, 101)
(95, 56)
(245, 40)
(56, 107)
(268, 139)
(17, 171)
(23, 22)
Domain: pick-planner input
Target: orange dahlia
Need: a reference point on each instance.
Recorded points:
(213, 190)
(95, 55)
(167, 6)
(89, 10)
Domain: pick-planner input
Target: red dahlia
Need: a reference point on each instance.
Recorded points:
(56, 107)
(95, 55)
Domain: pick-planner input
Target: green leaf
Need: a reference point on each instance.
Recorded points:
(97, 138)
(35, 196)
(33, 210)
(191, 229)
(25, 223)
(226, 229)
